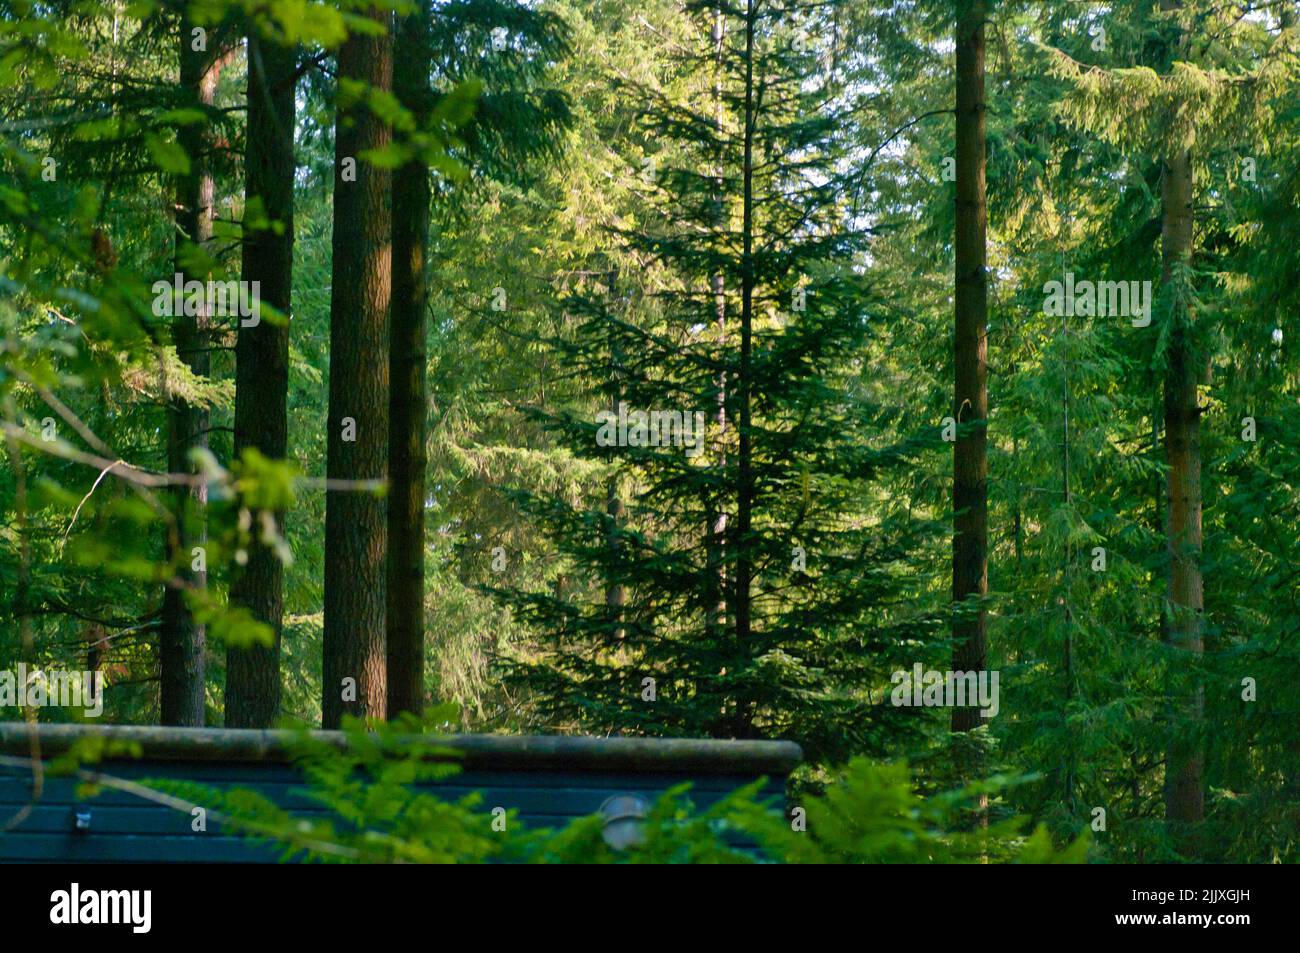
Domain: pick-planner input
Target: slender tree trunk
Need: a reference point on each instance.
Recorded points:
(407, 457)
(183, 643)
(1184, 799)
(970, 359)
(1067, 622)
(262, 366)
(715, 528)
(615, 593)
(353, 680)
(745, 475)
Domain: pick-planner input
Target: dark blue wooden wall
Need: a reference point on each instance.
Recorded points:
(123, 828)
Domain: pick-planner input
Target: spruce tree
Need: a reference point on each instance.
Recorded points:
(753, 193)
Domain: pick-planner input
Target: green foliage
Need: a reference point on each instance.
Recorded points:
(873, 814)
(542, 155)
(755, 324)
(380, 790)
(375, 811)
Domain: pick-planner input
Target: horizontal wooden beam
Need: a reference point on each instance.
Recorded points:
(519, 752)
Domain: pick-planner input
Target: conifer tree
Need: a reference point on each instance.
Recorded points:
(353, 679)
(407, 456)
(970, 361)
(252, 698)
(803, 650)
(1193, 100)
(183, 642)
(497, 119)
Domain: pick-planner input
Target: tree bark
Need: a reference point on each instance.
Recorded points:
(262, 366)
(407, 455)
(1184, 796)
(745, 475)
(715, 527)
(355, 522)
(1184, 799)
(183, 642)
(970, 359)
(615, 509)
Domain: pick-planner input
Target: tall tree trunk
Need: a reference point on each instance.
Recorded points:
(407, 457)
(1184, 799)
(183, 643)
(1067, 621)
(262, 366)
(970, 359)
(745, 475)
(715, 528)
(615, 593)
(356, 534)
